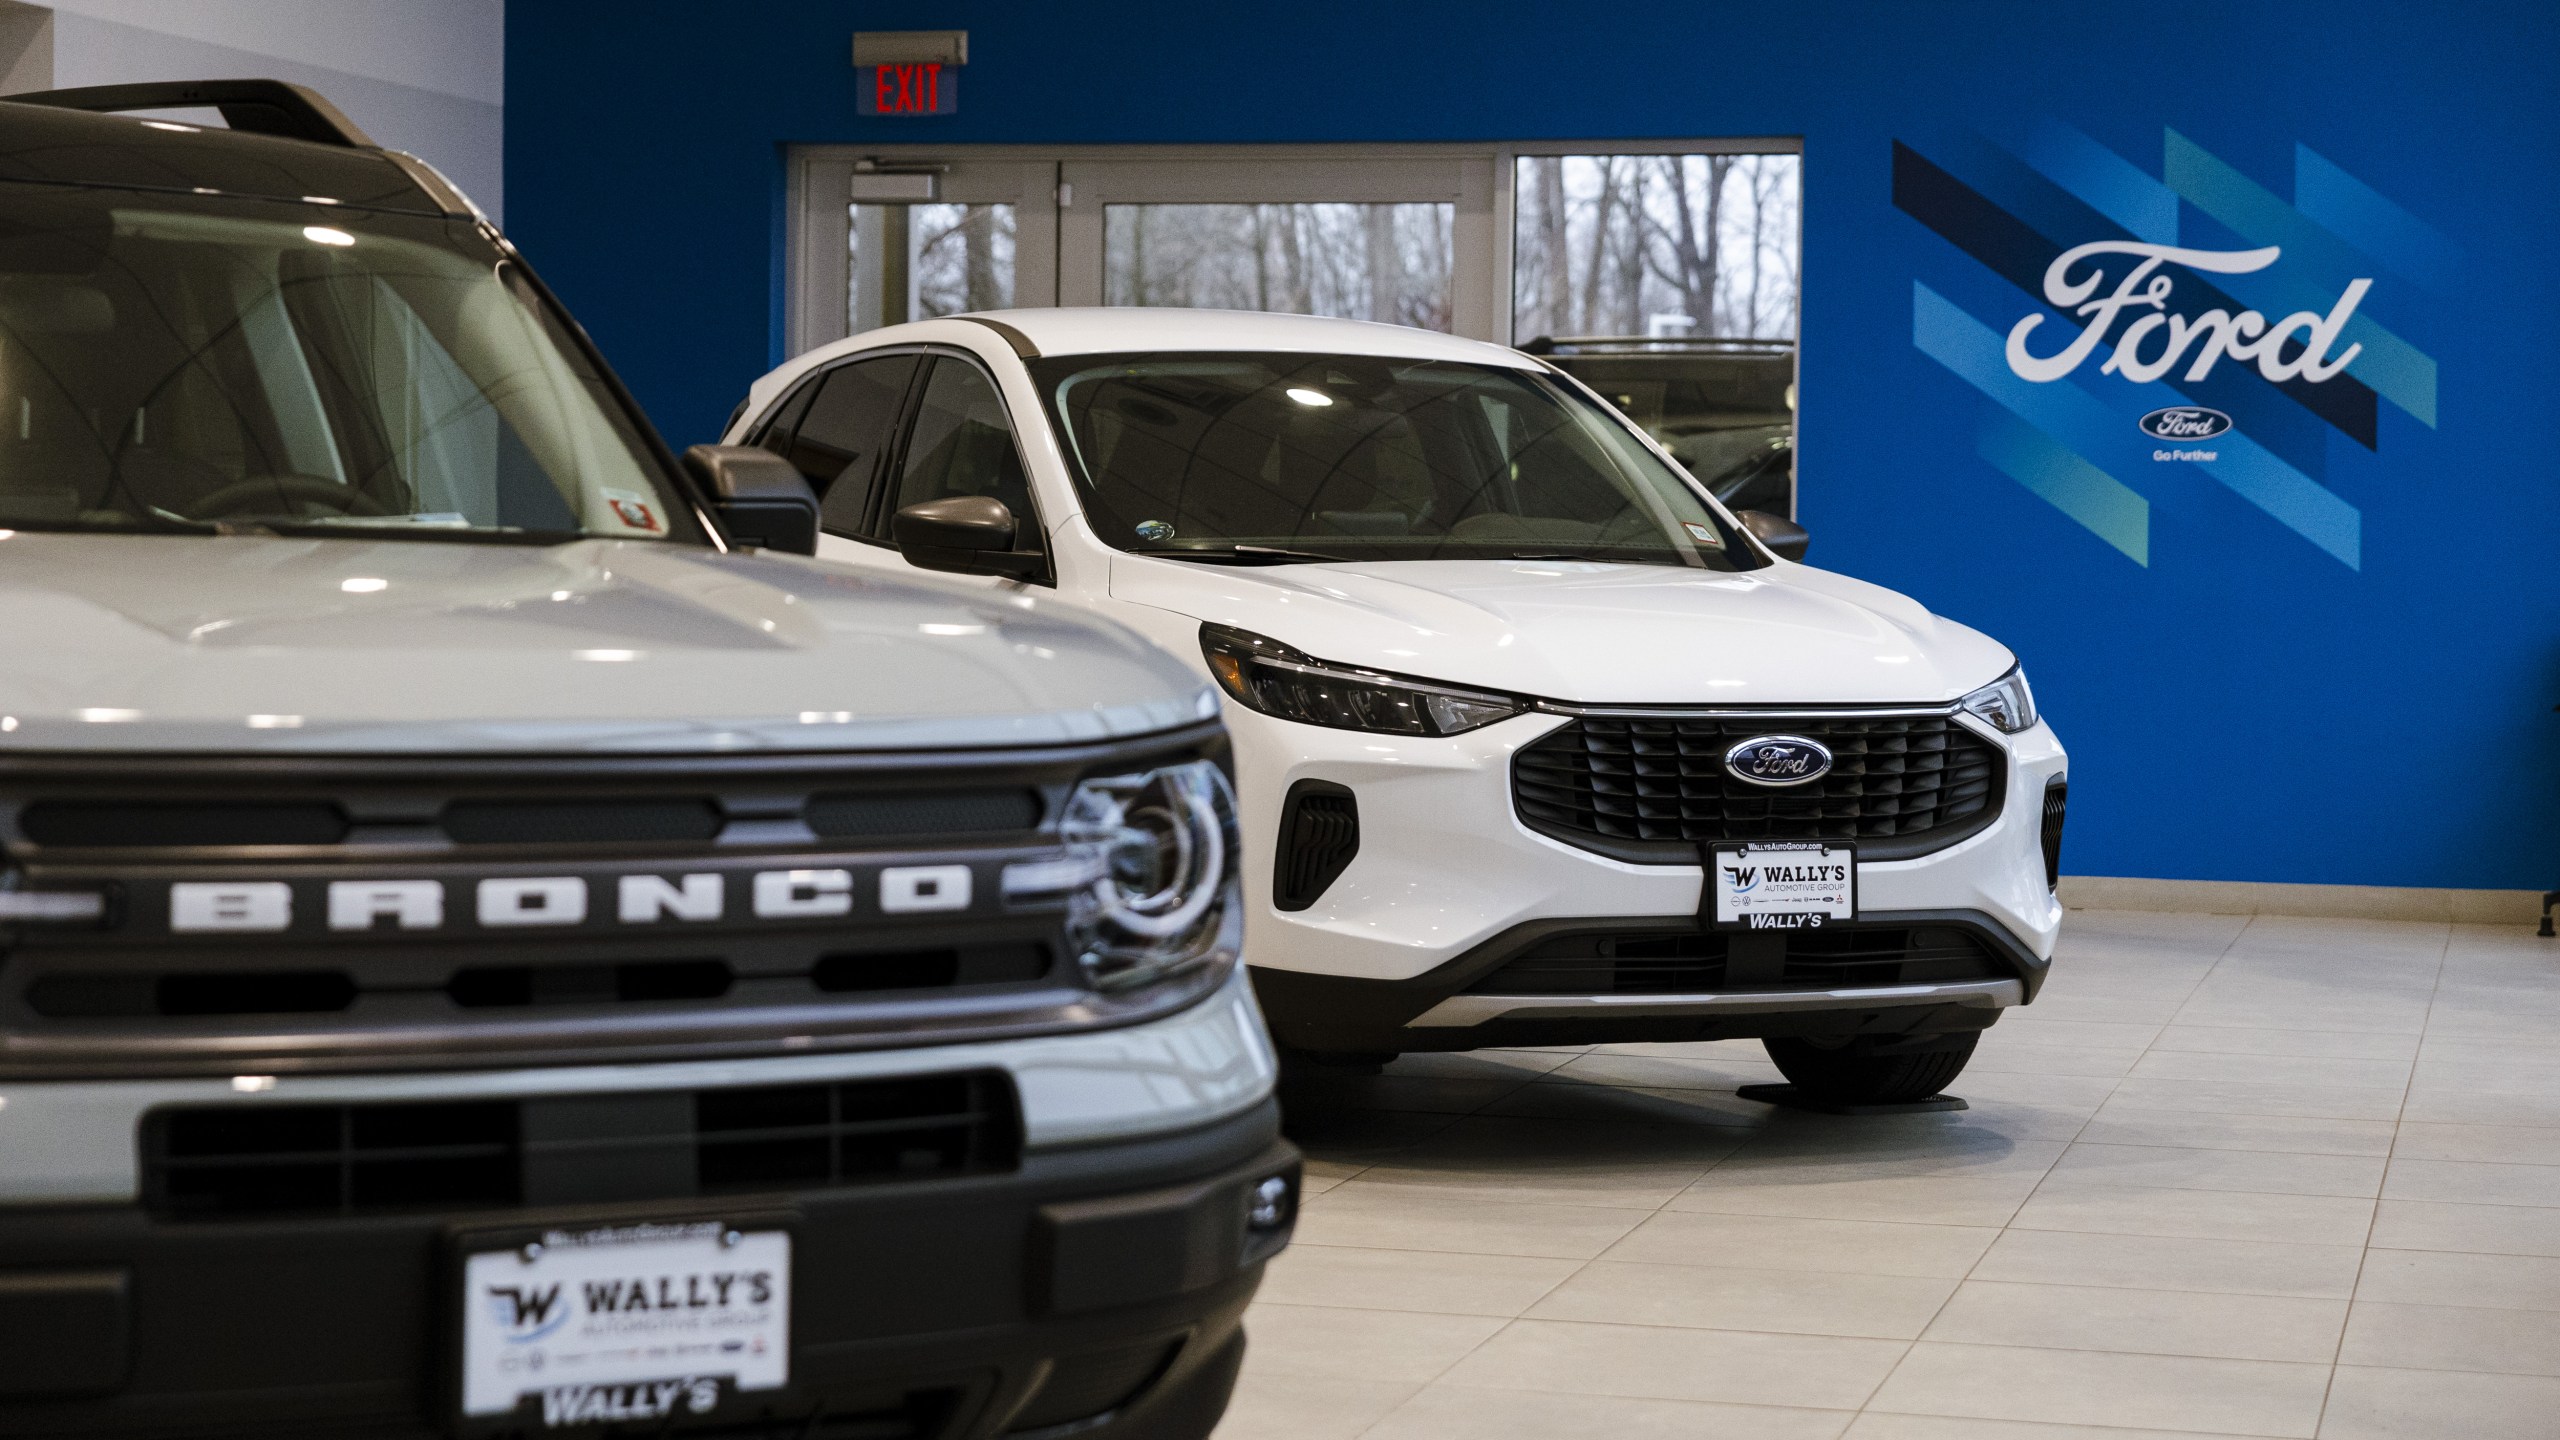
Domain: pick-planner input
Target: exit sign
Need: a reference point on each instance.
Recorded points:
(926, 88)
(908, 72)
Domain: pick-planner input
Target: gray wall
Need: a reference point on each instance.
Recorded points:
(425, 76)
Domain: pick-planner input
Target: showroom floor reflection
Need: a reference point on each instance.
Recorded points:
(2230, 1176)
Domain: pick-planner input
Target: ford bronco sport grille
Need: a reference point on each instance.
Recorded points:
(1651, 790)
(293, 913)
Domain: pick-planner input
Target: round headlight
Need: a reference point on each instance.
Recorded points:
(1149, 877)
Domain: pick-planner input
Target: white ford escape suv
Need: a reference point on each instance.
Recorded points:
(1536, 743)
(484, 952)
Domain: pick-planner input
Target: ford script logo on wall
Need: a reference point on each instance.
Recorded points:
(1778, 760)
(2184, 422)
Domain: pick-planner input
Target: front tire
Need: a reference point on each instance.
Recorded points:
(1863, 1071)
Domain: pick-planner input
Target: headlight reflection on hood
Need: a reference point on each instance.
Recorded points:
(1263, 674)
(1148, 877)
(2006, 702)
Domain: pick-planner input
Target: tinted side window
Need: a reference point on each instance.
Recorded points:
(962, 444)
(848, 426)
(776, 433)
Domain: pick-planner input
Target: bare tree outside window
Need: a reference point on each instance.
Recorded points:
(1657, 246)
(1350, 261)
(913, 262)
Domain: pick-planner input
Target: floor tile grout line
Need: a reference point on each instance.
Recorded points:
(1499, 1330)
(1961, 1281)
(2364, 1256)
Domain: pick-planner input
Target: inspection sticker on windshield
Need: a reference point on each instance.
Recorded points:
(1798, 886)
(629, 1323)
(1703, 534)
(633, 509)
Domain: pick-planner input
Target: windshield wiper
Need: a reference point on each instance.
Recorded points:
(1247, 555)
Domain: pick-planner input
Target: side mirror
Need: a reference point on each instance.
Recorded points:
(758, 496)
(1784, 536)
(970, 534)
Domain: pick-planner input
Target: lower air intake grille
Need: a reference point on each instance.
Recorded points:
(1319, 835)
(219, 1161)
(1651, 790)
(1083, 1387)
(1693, 962)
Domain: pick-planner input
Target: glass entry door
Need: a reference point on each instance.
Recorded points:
(887, 240)
(1407, 241)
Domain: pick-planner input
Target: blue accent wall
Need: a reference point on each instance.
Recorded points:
(2316, 660)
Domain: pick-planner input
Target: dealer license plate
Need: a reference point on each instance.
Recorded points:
(1785, 886)
(628, 1323)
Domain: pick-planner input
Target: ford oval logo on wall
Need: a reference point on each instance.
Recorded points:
(1778, 760)
(2185, 422)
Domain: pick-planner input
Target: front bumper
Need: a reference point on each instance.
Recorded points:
(1113, 1255)
(1095, 1290)
(1446, 872)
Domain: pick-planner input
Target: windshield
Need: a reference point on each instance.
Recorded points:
(171, 364)
(1267, 458)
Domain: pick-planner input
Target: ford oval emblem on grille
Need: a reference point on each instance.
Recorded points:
(2184, 422)
(1778, 760)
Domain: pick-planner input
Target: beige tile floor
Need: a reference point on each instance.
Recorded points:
(2229, 1176)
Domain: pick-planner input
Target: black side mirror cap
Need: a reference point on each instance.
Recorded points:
(967, 534)
(1785, 538)
(760, 498)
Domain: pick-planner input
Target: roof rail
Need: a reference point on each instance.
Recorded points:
(257, 107)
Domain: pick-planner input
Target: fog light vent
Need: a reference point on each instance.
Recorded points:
(1319, 835)
(2053, 793)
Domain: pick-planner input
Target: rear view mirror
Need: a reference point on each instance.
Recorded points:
(970, 534)
(1784, 537)
(760, 498)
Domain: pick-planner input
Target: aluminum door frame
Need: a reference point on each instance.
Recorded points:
(1060, 192)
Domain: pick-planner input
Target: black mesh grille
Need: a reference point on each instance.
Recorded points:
(249, 1159)
(810, 1135)
(1083, 1387)
(1651, 790)
(1319, 836)
(934, 812)
(143, 824)
(580, 822)
(1695, 962)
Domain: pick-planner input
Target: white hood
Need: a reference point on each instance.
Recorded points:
(1593, 633)
(255, 643)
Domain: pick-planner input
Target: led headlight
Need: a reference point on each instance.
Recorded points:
(2006, 702)
(1149, 875)
(1265, 675)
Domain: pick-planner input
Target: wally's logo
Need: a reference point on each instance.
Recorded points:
(2071, 283)
(2184, 422)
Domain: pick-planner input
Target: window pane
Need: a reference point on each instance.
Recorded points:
(1658, 246)
(1356, 262)
(962, 444)
(1672, 281)
(838, 443)
(913, 262)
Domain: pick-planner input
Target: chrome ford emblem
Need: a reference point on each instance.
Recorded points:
(1778, 760)
(2184, 422)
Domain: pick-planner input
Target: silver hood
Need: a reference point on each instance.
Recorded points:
(1593, 633)
(115, 642)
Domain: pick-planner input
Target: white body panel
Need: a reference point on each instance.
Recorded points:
(72, 1142)
(1444, 862)
(235, 644)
